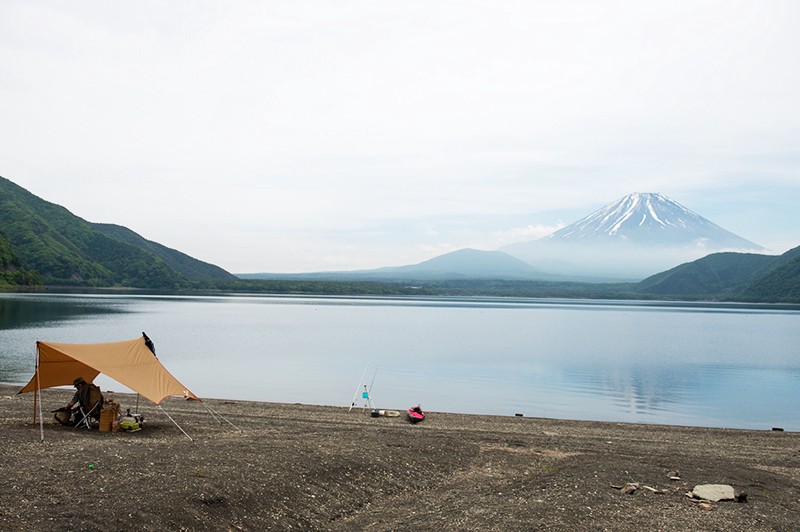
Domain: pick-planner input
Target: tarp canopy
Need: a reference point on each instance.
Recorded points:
(131, 363)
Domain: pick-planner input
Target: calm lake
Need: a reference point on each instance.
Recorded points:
(713, 365)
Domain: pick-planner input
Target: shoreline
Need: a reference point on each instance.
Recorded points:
(324, 468)
(766, 427)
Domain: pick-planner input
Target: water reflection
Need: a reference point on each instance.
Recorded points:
(17, 312)
(694, 394)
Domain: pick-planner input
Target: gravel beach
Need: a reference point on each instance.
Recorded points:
(305, 467)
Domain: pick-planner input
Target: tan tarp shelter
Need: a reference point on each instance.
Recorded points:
(130, 363)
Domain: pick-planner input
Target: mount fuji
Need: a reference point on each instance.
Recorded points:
(631, 238)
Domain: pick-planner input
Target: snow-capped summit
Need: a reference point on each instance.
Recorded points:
(652, 219)
(635, 236)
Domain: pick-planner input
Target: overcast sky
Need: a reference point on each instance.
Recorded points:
(294, 136)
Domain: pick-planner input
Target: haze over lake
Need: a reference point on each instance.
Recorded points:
(718, 365)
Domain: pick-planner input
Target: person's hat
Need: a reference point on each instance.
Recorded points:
(78, 381)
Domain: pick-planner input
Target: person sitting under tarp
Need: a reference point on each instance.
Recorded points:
(86, 403)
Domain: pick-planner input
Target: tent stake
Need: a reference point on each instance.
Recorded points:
(176, 424)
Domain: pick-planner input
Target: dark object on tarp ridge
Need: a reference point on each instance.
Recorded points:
(149, 343)
(415, 414)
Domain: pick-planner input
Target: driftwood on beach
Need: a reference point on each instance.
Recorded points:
(324, 468)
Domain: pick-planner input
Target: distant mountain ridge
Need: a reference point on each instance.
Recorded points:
(725, 276)
(67, 250)
(41, 242)
(465, 263)
(461, 264)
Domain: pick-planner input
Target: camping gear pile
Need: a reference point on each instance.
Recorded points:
(131, 422)
(112, 419)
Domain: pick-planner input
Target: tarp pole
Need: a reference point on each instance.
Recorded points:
(176, 424)
(37, 397)
(36, 376)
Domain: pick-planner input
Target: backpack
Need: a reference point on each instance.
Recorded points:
(90, 396)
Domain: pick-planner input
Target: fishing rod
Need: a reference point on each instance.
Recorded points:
(373, 381)
(358, 387)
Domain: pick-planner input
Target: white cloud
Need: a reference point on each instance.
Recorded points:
(524, 234)
(274, 123)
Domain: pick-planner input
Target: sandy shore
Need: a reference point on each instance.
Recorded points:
(324, 468)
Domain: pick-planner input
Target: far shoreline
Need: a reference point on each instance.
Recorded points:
(608, 299)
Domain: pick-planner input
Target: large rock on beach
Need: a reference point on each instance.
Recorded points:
(714, 492)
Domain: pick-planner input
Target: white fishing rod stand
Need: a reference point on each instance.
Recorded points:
(366, 393)
(367, 399)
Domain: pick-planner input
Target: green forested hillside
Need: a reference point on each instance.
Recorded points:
(68, 250)
(180, 262)
(780, 284)
(7, 258)
(12, 274)
(731, 276)
(714, 274)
